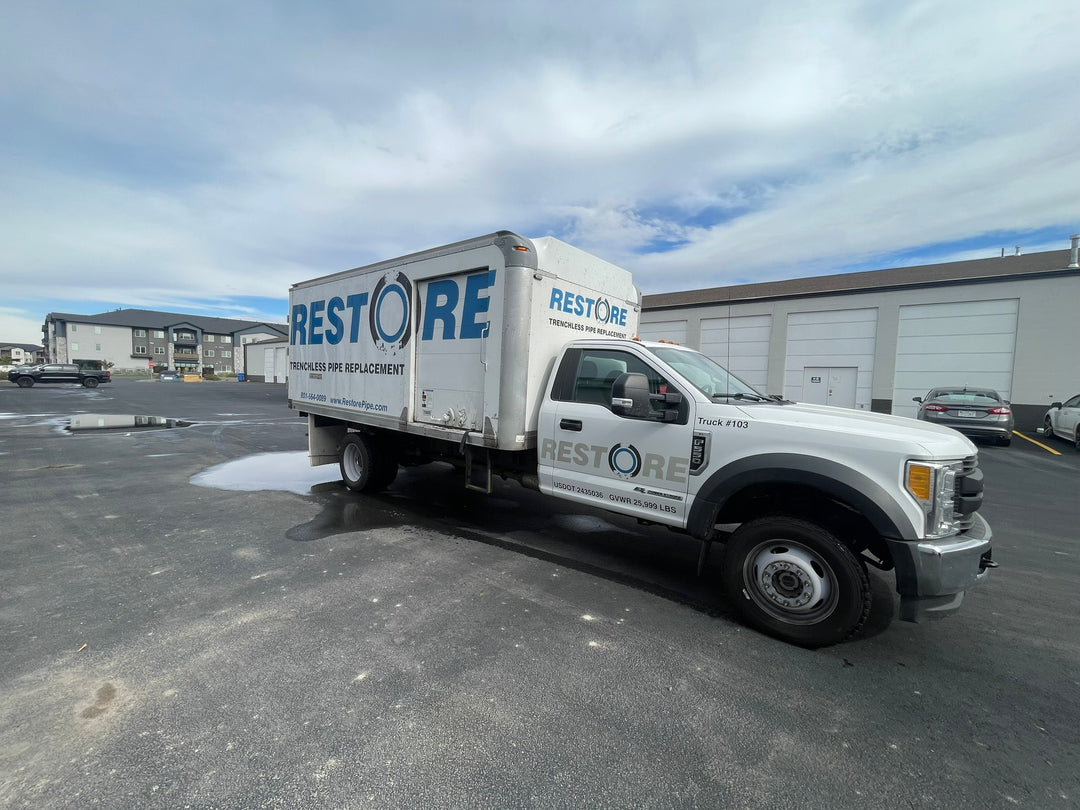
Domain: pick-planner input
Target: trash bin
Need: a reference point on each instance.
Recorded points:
(240, 377)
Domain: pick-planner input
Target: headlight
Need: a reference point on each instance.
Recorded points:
(933, 485)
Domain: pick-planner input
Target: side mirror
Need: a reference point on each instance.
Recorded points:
(630, 396)
(1055, 405)
(917, 399)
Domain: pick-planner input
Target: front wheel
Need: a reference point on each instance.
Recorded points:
(1048, 428)
(90, 382)
(796, 581)
(25, 382)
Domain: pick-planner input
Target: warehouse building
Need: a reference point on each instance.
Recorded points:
(267, 360)
(873, 340)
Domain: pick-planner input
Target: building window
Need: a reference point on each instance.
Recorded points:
(226, 353)
(140, 350)
(208, 353)
(159, 350)
(208, 338)
(227, 369)
(97, 330)
(74, 347)
(72, 328)
(97, 347)
(159, 333)
(140, 333)
(226, 338)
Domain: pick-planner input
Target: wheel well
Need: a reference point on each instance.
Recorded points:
(811, 504)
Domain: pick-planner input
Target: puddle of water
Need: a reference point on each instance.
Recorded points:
(283, 472)
(585, 524)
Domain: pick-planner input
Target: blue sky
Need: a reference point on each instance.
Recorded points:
(202, 157)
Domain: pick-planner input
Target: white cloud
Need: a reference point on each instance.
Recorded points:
(187, 152)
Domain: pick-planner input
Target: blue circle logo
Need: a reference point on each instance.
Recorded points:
(603, 304)
(390, 316)
(624, 461)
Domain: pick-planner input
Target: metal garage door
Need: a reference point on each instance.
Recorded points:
(960, 343)
(740, 344)
(675, 331)
(831, 350)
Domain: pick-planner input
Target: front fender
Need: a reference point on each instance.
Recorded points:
(836, 480)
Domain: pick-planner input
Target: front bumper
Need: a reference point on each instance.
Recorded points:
(932, 575)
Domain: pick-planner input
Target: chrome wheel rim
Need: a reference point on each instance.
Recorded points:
(790, 582)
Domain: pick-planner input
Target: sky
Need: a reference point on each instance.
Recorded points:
(201, 157)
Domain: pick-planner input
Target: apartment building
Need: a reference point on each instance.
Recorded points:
(21, 354)
(145, 340)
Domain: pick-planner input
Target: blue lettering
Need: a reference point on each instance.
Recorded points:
(356, 302)
(316, 322)
(442, 297)
(337, 331)
(556, 298)
(474, 305)
(299, 324)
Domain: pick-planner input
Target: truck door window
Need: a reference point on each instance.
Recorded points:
(597, 370)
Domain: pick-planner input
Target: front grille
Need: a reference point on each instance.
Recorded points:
(968, 493)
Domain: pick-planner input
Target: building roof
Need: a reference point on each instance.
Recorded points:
(1052, 262)
(26, 347)
(151, 319)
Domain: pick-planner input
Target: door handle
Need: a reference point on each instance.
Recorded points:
(570, 424)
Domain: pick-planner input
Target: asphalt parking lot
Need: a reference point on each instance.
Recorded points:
(174, 637)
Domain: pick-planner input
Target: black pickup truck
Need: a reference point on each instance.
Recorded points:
(26, 376)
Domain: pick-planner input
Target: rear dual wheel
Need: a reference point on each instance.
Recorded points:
(367, 464)
(796, 581)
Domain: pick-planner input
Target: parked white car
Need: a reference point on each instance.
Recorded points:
(1063, 421)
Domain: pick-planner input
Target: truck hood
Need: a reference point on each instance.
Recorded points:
(935, 440)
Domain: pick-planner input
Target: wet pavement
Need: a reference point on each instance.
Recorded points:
(192, 617)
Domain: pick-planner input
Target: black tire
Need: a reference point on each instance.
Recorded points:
(386, 466)
(90, 382)
(1048, 428)
(796, 581)
(359, 464)
(1004, 441)
(25, 382)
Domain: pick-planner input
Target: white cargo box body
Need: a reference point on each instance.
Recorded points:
(453, 340)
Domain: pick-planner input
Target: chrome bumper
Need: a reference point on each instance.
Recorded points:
(932, 575)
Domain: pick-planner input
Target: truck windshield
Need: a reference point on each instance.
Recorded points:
(710, 378)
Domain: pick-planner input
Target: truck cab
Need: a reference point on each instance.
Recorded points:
(665, 434)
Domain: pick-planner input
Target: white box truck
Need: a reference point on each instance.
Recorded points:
(516, 358)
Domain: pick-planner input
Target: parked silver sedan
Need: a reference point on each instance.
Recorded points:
(1063, 421)
(979, 413)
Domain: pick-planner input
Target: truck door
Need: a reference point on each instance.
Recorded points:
(588, 453)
